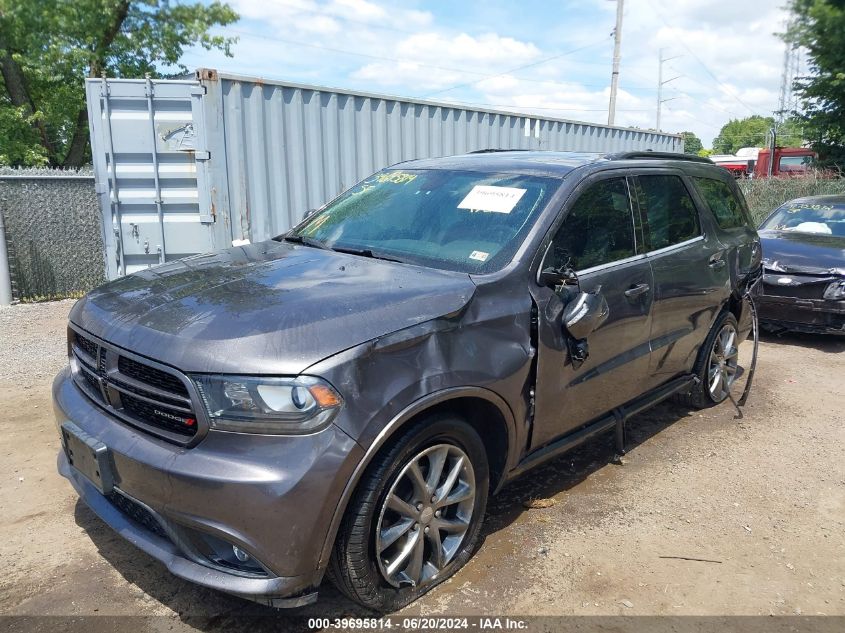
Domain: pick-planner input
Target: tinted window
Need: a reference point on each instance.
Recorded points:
(456, 220)
(725, 206)
(598, 228)
(795, 163)
(670, 214)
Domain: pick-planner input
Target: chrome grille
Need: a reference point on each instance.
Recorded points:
(151, 376)
(146, 396)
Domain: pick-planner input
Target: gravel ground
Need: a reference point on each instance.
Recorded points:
(29, 347)
(760, 499)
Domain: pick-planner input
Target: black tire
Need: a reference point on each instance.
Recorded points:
(699, 396)
(353, 568)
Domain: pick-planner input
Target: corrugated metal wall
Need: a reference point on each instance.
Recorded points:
(188, 166)
(144, 136)
(292, 147)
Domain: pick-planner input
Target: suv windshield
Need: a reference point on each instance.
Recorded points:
(456, 220)
(808, 217)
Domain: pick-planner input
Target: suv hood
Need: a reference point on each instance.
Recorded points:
(803, 252)
(266, 308)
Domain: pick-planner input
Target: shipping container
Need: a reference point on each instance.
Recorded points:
(188, 166)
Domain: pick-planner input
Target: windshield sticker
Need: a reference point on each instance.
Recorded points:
(319, 221)
(396, 177)
(795, 208)
(479, 255)
(492, 199)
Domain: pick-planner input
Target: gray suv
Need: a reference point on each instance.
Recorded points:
(342, 399)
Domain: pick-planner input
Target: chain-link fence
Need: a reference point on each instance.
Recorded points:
(53, 232)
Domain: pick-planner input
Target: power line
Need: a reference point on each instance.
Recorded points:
(273, 38)
(550, 82)
(482, 75)
(703, 65)
(355, 53)
(523, 67)
(661, 82)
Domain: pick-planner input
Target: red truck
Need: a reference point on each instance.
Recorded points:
(750, 162)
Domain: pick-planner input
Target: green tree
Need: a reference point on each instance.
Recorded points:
(819, 27)
(753, 132)
(48, 47)
(692, 144)
(748, 132)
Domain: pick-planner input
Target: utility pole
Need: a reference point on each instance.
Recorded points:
(660, 82)
(5, 275)
(786, 102)
(617, 45)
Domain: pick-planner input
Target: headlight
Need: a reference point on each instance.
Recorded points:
(835, 291)
(275, 406)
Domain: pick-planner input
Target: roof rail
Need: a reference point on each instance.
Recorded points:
(657, 156)
(490, 150)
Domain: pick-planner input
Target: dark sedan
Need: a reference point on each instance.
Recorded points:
(804, 266)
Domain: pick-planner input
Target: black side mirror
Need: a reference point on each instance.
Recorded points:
(554, 277)
(584, 314)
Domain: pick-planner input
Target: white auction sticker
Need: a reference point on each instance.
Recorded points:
(479, 255)
(494, 199)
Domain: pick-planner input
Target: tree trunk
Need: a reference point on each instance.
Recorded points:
(16, 88)
(119, 17)
(75, 156)
(79, 142)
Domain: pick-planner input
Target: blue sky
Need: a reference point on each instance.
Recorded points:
(549, 57)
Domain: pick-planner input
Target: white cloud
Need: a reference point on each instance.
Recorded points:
(437, 55)
(727, 58)
(297, 15)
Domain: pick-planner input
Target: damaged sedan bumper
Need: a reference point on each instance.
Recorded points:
(798, 303)
(239, 513)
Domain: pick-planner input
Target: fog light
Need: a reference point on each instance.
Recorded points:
(240, 554)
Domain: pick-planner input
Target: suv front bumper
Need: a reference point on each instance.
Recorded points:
(272, 497)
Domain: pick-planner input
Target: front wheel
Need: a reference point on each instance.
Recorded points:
(416, 516)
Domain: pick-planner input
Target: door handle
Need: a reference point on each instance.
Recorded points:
(636, 291)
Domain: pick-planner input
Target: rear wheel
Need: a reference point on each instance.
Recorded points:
(716, 367)
(416, 516)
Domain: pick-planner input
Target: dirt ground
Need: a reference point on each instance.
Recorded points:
(762, 499)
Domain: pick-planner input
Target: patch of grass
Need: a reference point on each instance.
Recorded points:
(77, 294)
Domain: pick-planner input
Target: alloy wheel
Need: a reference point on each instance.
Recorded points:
(722, 368)
(425, 516)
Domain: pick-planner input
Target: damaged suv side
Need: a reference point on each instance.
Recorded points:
(343, 398)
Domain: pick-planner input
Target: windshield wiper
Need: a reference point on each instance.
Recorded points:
(307, 241)
(364, 252)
